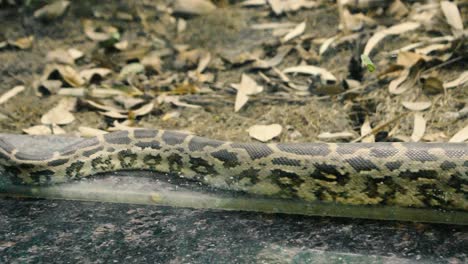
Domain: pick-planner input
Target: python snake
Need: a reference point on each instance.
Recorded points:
(430, 175)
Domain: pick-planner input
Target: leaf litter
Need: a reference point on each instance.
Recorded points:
(168, 76)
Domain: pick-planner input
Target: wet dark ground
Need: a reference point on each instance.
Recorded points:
(40, 231)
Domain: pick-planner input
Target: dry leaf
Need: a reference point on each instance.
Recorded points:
(326, 44)
(203, 62)
(334, 136)
(325, 76)
(254, 3)
(104, 107)
(193, 7)
(280, 6)
(366, 130)
(90, 132)
(114, 114)
(266, 64)
(434, 47)
(401, 84)
(60, 56)
(44, 130)
(152, 61)
(419, 127)
(52, 10)
(463, 78)
(460, 136)
(88, 74)
(121, 45)
(175, 100)
(247, 87)
(170, 115)
(99, 34)
(105, 92)
(12, 92)
(77, 92)
(75, 54)
(416, 106)
(22, 43)
(408, 59)
(296, 32)
(394, 30)
(128, 102)
(143, 110)
(130, 70)
(60, 115)
(265, 133)
(452, 14)
(70, 75)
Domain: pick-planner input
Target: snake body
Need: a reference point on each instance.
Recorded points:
(430, 175)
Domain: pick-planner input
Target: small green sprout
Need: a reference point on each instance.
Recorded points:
(366, 61)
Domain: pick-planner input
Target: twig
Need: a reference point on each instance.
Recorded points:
(376, 129)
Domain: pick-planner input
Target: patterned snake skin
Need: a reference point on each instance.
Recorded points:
(431, 175)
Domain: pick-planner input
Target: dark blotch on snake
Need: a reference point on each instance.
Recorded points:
(433, 196)
(57, 162)
(361, 164)
(199, 143)
(447, 165)
(90, 152)
(153, 144)
(347, 148)
(456, 151)
(68, 150)
(152, 160)
(229, 159)
(173, 138)
(145, 133)
(175, 162)
(38, 175)
(286, 162)
(423, 174)
(383, 151)
(456, 181)
(255, 150)
(201, 166)
(102, 164)
(309, 149)
(329, 173)
(120, 138)
(127, 158)
(251, 173)
(277, 174)
(393, 165)
(420, 152)
(73, 171)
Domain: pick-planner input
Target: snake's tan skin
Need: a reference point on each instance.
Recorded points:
(430, 175)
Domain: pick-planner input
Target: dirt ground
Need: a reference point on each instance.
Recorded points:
(226, 30)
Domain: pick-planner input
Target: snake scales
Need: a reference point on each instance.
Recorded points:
(433, 175)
